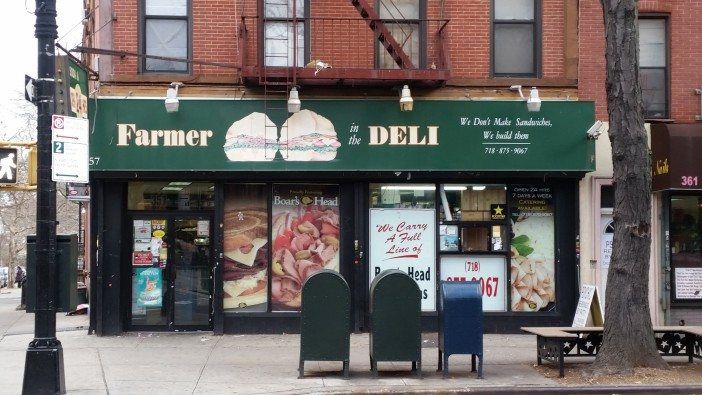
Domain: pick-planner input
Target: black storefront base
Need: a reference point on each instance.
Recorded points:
(111, 286)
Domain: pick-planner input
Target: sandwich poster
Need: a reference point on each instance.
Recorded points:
(532, 271)
(305, 238)
(305, 136)
(405, 239)
(245, 273)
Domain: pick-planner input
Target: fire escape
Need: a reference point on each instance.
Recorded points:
(349, 46)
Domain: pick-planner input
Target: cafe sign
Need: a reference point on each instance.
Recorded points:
(341, 135)
(675, 160)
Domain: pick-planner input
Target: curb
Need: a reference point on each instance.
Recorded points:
(66, 329)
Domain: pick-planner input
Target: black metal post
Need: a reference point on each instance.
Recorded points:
(43, 369)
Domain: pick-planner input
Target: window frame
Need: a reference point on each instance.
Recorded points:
(537, 40)
(305, 20)
(666, 70)
(142, 36)
(422, 25)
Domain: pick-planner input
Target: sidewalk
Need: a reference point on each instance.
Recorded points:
(18, 322)
(202, 363)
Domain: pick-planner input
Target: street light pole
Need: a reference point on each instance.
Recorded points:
(43, 369)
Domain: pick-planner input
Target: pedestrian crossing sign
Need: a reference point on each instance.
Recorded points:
(8, 165)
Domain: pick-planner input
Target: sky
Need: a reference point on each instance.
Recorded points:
(19, 46)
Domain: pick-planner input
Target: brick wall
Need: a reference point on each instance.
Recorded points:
(215, 35)
(685, 46)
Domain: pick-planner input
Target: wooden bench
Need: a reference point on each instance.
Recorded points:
(554, 344)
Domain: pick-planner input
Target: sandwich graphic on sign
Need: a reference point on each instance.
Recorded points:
(251, 139)
(310, 137)
(305, 136)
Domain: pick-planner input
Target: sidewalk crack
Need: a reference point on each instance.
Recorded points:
(197, 382)
(102, 371)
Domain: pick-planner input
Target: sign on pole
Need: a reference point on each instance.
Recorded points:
(69, 147)
(8, 165)
(29, 91)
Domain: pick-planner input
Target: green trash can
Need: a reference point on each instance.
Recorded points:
(325, 320)
(66, 273)
(395, 313)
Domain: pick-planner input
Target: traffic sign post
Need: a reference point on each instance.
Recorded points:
(43, 366)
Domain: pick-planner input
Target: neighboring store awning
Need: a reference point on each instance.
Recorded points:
(676, 160)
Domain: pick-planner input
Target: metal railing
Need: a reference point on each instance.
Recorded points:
(341, 43)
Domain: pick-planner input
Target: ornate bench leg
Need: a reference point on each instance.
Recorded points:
(414, 365)
(446, 365)
(561, 372)
(301, 369)
(438, 369)
(419, 369)
(480, 366)
(346, 370)
(472, 362)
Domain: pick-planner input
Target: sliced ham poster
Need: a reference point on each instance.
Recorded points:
(405, 239)
(305, 238)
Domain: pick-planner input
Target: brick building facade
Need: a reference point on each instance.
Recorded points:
(172, 185)
(670, 49)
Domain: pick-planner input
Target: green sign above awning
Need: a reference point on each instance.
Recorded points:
(340, 135)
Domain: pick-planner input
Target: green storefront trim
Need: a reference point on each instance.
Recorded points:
(371, 135)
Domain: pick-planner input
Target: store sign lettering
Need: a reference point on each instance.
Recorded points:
(662, 167)
(306, 200)
(128, 134)
(403, 135)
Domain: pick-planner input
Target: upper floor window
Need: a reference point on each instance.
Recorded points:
(165, 32)
(653, 67)
(280, 24)
(515, 38)
(402, 18)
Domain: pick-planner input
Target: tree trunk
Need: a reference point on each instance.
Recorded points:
(628, 340)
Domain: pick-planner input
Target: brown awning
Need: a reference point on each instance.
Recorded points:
(676, 156)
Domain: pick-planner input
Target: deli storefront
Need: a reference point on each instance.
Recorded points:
(211, 218)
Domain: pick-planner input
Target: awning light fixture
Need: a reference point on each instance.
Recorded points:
(294, 103)
(172, 103)
(533, 102)
(406, 101)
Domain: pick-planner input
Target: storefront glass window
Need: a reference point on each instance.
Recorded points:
(402, 195)
(470, 202)
(173, 195)
(403, 234)
(473, 238)
(532, 271)
(686, 247)
(246, 243)
(305, 236)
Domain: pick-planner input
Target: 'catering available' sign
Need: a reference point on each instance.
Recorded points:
(405, 239)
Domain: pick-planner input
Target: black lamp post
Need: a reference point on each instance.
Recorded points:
(43, 369)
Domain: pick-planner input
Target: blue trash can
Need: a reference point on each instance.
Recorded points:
(461, 323)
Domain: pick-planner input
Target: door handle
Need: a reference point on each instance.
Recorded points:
(358, 252)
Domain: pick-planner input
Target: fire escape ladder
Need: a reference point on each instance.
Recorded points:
(383, 34)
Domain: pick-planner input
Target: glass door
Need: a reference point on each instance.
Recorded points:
(191, 272)
(171, 272)
(149, 264)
